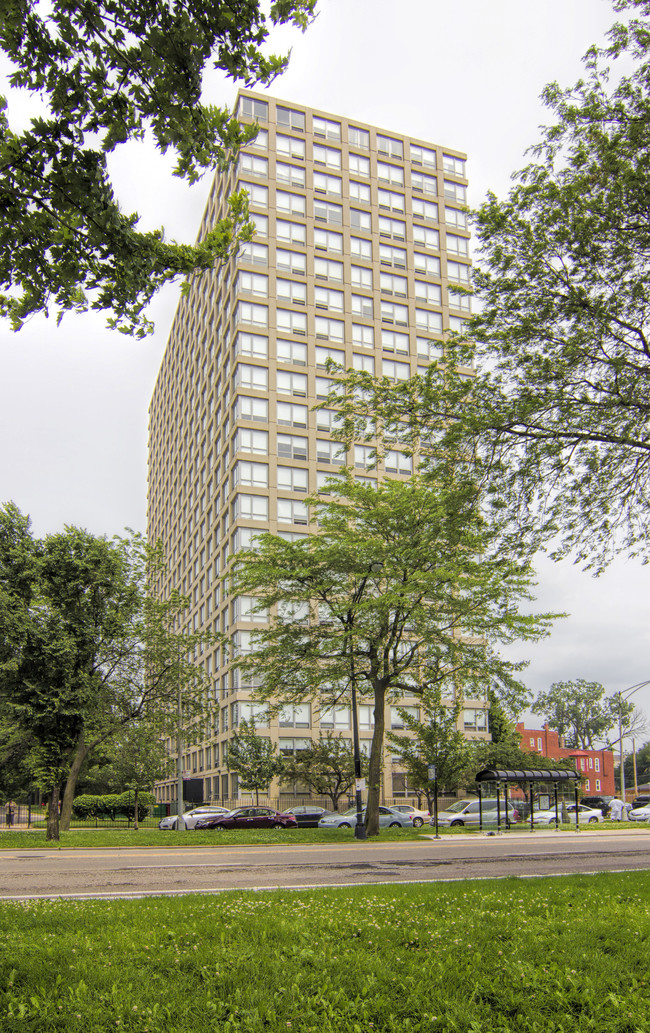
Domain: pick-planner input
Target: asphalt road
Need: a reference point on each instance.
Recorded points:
(164, 870)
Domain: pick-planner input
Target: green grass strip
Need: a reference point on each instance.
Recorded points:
(509, 956)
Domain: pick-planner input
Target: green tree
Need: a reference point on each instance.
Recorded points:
(504, 749)
(581, 713)
(140, 759)
(109, 72)
(404, 585)
(85, 648)
(254, 759)
(435, 739)
(326, 767)
(557, 419)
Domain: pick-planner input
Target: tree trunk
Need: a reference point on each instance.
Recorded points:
(135, 810)
(375, 766)
(78, 757)
(52, 828)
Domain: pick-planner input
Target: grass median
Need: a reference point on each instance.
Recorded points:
(509, 956)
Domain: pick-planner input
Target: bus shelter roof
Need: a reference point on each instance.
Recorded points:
(537, 775)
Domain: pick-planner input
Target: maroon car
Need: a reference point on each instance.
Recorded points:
(249, 818)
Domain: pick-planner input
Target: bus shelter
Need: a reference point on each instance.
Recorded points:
(554, 779)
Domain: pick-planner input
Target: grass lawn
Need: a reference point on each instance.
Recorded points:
(18, 839)
(565, 955)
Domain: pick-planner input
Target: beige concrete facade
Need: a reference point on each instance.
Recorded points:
(359, 233)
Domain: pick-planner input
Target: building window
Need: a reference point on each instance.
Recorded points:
(253, 165)
(360, 220)
(394, 228)
(291, 262)
(359, 192)
(292, 511)
(431, 321)
(364, 336)
(394, 341)
(247, 408)
(540, 745)
(455, 192)
(428, 349)
(390, 200)
(246, 312)
(290, 291)
(335, 717)
(360, 248)
(454, 217)
(326, 128)
(291, 175)
(426, 237)
(255, 378)
(289, 383)
(290, 232)
(455, 166)
(389, 146)
(289, 204)
(325, 355)
(391, 284)
(361, 306)
(327, 156)
(326, 240)
(397, 720)
(330, 329)
(458, 272)
(427, 265)
(254, 254)
(430, 293)
(250, 507)
(332, 300)
(261, 224)
(596, 764)
(427, 210)
(395, 370)
(325, 184)
(326, 419)
(597, 785)
(363, 363)
(475, 720)
(359, 138)
(331, 452)
(289, 414)
(294, 352)
(289, 322)
(255, 714)
(390, 174)
(359, 166)
(457, 245)
(296, 716)
(253, 345)
(395, 461)
(257, 195)
(292, 478)
(254, 441)
(392, 313)
(327, 269)
(252, 283)
(289, 147)
(426, 184)
(288, 118)
(292, 447)
(249, 107)
(423, 156)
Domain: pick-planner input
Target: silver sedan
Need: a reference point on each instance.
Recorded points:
(190, 818)
(388, 818)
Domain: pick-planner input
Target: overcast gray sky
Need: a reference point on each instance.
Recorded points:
(74, 399)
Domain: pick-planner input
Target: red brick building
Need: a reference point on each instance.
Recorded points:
(596, 766)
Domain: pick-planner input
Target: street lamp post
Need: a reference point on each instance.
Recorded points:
(180, 823)
(359, 828)
(625, 694)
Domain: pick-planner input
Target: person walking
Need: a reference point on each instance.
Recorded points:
(616, 809)
(9, 813)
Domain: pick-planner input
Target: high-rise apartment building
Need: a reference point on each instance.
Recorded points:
(359, 233)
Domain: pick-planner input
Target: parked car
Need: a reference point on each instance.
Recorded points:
(190, 818)
(640, 801)
(466, 812)
(308, 815)
(249, 818)
(588, 814)
(640, 813)
(419, 817)
(598, 801)
(389, 817)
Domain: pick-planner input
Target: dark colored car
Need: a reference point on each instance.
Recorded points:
(598, 801)
(249, 818)
(641, 801)
(308, 815)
